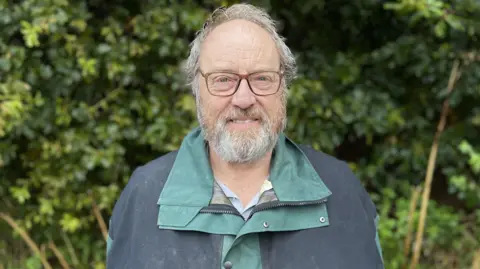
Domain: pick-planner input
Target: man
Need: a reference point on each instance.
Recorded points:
(238, 193)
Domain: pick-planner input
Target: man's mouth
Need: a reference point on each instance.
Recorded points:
(243, 121)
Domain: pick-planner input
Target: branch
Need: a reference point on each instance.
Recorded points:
(471, 56)
(104, 101)
(411, 213)
(59, 255)
(454, 75)
(100, 220)
(26, 238)
(476, 260)
(70, 249)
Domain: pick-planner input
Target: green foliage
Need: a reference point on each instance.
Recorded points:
(463, 183)
(91, 89)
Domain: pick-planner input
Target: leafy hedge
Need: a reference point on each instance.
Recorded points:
(91, 89)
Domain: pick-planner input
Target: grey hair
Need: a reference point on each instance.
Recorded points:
(243, 12)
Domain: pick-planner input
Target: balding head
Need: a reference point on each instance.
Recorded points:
(248, 13)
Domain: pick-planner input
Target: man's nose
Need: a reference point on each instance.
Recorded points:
(244, 97)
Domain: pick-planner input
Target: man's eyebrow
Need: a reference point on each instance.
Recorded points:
(231, 70)
(227, 70)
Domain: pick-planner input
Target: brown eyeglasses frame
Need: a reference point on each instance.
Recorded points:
(242, 77)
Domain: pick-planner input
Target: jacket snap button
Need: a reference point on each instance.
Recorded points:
(322, 219)
(228, 265)
(265, 224)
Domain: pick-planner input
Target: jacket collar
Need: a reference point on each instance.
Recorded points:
(191, 182)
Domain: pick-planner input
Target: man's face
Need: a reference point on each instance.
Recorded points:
(243, 127)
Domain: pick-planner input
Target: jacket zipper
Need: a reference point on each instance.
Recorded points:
(277, 204)
(226, 209)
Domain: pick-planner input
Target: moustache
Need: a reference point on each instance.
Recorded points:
(238, 113)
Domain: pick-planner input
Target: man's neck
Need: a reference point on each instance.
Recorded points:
(239, 171)
(244, 179)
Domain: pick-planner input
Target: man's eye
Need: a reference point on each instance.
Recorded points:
(223, 79)
(263, 78)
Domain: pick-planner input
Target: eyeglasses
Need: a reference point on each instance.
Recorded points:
(261, 83)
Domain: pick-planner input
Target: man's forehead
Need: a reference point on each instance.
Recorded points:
(237, 43)
(236, 67)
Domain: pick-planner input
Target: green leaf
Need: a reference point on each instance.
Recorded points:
(30, 34)
(440, 29)
(455, 23)
(21, 194)
(465, 147)
(5, 64)
(187, 103)
(69, 223)
(393, 6)
(80, 25)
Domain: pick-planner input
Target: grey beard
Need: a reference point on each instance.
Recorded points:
(237, 149)
(242, 149)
